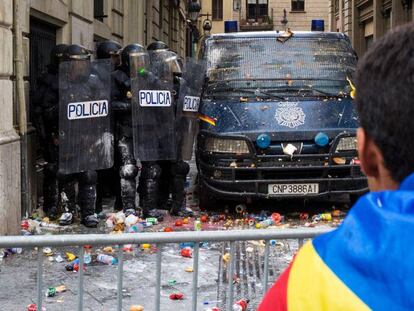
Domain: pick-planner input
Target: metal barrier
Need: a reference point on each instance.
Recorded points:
(158, 238)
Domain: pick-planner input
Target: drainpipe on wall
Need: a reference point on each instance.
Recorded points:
(21, 102)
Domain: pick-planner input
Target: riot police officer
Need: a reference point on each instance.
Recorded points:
(108, 180)
(46, 116)
(125, 161)
(162, 183)
(109, 49)
(80, 84)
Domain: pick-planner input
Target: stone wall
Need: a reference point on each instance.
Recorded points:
(10, 206)
(363, 19)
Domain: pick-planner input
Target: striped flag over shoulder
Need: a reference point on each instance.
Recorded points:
(367, 263)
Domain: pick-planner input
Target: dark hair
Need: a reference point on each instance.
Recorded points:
(385, 98)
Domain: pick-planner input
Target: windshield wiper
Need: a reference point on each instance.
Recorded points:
(224, 82)
(301, 90)
(256, 92)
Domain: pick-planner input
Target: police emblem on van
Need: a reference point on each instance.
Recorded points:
(151, 98)
(290, 115)
(86, 110)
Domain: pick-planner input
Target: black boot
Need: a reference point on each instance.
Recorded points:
(149, 190)
(90, 221)
(179, 171)
(87, 199)
(50, 191)
(128, 173)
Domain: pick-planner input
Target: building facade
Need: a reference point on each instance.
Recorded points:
(261, 15)
(45, 23)
(367, 20)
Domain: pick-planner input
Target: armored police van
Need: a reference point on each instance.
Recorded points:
(277, 119)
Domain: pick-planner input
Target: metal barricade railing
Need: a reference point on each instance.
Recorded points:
(158, 238)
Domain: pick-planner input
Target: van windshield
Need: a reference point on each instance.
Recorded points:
(300, 65)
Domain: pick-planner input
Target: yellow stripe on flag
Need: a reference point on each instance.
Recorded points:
(313, 286)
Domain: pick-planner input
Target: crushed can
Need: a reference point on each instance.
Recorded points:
(186, 252)
(51, 292)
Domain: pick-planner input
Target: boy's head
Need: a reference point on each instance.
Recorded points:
(385, 103)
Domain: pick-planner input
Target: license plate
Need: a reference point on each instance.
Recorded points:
(293, 189)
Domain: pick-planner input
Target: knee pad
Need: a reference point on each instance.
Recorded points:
(50, 170)
(128, 171)
(130, 161)
(151, 171)
(180, 168)
(88, 178)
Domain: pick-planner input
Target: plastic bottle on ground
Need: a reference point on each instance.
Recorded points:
(266, 223)
(106, 259)
(87, 259)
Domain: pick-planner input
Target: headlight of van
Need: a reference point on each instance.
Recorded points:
(346, 144)
(225, 145)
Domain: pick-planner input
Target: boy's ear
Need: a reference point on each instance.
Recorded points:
(369, 154)
(365, 153)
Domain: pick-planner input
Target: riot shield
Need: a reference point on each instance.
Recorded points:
(191, 85)
(153, 107)
(85, 133)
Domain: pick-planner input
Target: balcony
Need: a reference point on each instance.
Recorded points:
(260, 24)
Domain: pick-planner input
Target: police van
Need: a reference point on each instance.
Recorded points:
(277, 119)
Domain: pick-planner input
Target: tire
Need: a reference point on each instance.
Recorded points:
(206, 201)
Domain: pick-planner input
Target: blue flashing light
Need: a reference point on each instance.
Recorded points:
(321, 139)
(318, 25)
(263, 141)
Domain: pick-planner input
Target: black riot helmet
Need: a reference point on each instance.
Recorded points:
(157, 45)
(132, 51)
(56, 55)
(106, 49)
(160, 52)
(173, 63)
(76, 52)
(78, 63)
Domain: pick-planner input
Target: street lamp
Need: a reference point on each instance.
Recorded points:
(284, 20)
(194, 9)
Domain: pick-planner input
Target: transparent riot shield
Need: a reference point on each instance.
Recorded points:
(85, 133)
(191, 85)
(153, 107)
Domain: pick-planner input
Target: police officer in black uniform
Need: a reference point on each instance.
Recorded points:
(46, 117)
(108, 180)
(125, 161)
(83, 83)
(162, 183)
(109, 49)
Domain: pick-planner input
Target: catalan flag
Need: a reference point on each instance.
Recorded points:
(367, 263)
(207, 119)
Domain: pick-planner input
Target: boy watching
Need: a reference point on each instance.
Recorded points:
(368, 262)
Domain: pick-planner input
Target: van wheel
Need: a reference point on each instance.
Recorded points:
(206, 201)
